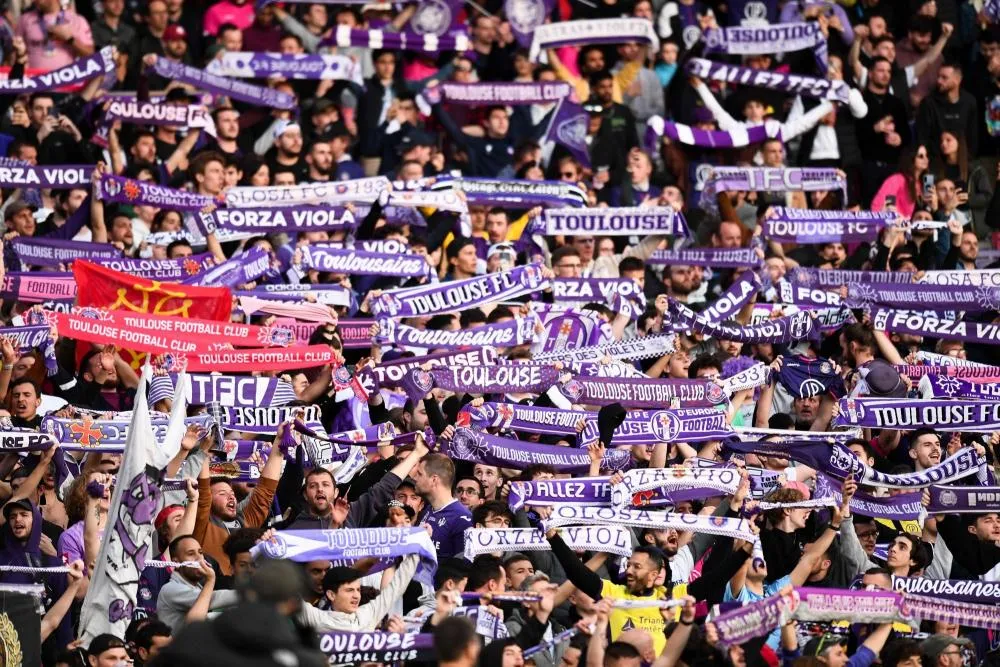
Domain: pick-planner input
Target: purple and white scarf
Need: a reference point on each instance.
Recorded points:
(460, 294)
(769, 179)
(794, 225)
(571, 515)
(120, 190)
(321, 66)
(344, 36)
(956, 590)
(769, 39)
(837, 278)
(478, 447)
(46, 251)
(750, 434)
(964, 499)
(352, 544)
(947, 386)
(326, 294)
(358, 262)
(78, 71)
(523, 418)
(794, 84)
(392, 373)
(805, 295)
(630, 350)
(900, 507)
(257, 221)
(56, 177)
(514, 193)
(800, 326)
(364, 190)
(244, 268)
(928, 324)
(225, 390)
(503, 379)
(167, 270)
(345, 648)
(524, 16)
(219, 85)
(651, 427)
(934, 298)
(827, 319)
(738, 137)
(733, 299)
(977, 278)
(266, 420)
(622, 221)
(592, 31)
(616, 540)
(721, 480)
(714, 258)
(972, 373)
(837, 461)
(749, 378)
(644, 393)
(509, 94)
(139, 112)
(503, 334)
(600, 290)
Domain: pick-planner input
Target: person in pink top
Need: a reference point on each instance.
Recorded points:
(905, 185)
(238, 12)
(55, 37)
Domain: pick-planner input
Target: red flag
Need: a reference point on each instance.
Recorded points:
(105, 288)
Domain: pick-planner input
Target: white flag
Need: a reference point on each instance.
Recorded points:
(128, 535)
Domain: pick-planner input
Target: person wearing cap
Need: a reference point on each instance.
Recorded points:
(107, 651)
(175, 44)
(342, 586)
(287, 150)
(941, 650)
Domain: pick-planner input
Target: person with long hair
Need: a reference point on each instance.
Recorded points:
(904, 185)
(971, 181)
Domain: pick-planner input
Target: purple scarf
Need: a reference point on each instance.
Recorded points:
(392, 373)
(836, 278)
(732, 300)
(478, 447)
(514, 192)
(150, 113)
(119, 190)
(79, 71)
(794, 84)
(714, 258)
(600, 290)
(769, 179)
(249, 65)
(344, 36)
(504, 334)
(57, 177)
(772, 38)
(167, 270)
(910, 414)
(239, 90)
(644, 393)
(53, 252)
(359, 262)
(624, 221)
(793, 225)
(508, 94)
(460, 294)
(256, 221)
(799, 326)
(504, 379)
(923, 324)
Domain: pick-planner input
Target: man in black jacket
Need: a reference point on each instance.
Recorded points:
(380, 92)
(883, 132)
(488, 154)
(949, 109)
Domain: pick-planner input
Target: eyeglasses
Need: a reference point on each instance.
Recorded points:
(471, 490)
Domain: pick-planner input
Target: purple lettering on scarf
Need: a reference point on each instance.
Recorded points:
(150, 113)
(359, 262)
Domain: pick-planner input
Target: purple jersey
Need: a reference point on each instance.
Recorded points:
(448, 526)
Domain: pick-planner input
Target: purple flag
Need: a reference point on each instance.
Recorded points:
(569, 128)
(524, 16)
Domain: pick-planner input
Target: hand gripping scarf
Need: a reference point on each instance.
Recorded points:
(615, 540)
(352, 544)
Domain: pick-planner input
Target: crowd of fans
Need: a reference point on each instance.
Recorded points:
(919, 136)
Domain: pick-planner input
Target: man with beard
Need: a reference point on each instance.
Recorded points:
(227, 132)
(326, 508)
(925, 449)
(679, 281)
(190, 594)
(219, 513)
(320, 161)
(287, 152)
(447, 517)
